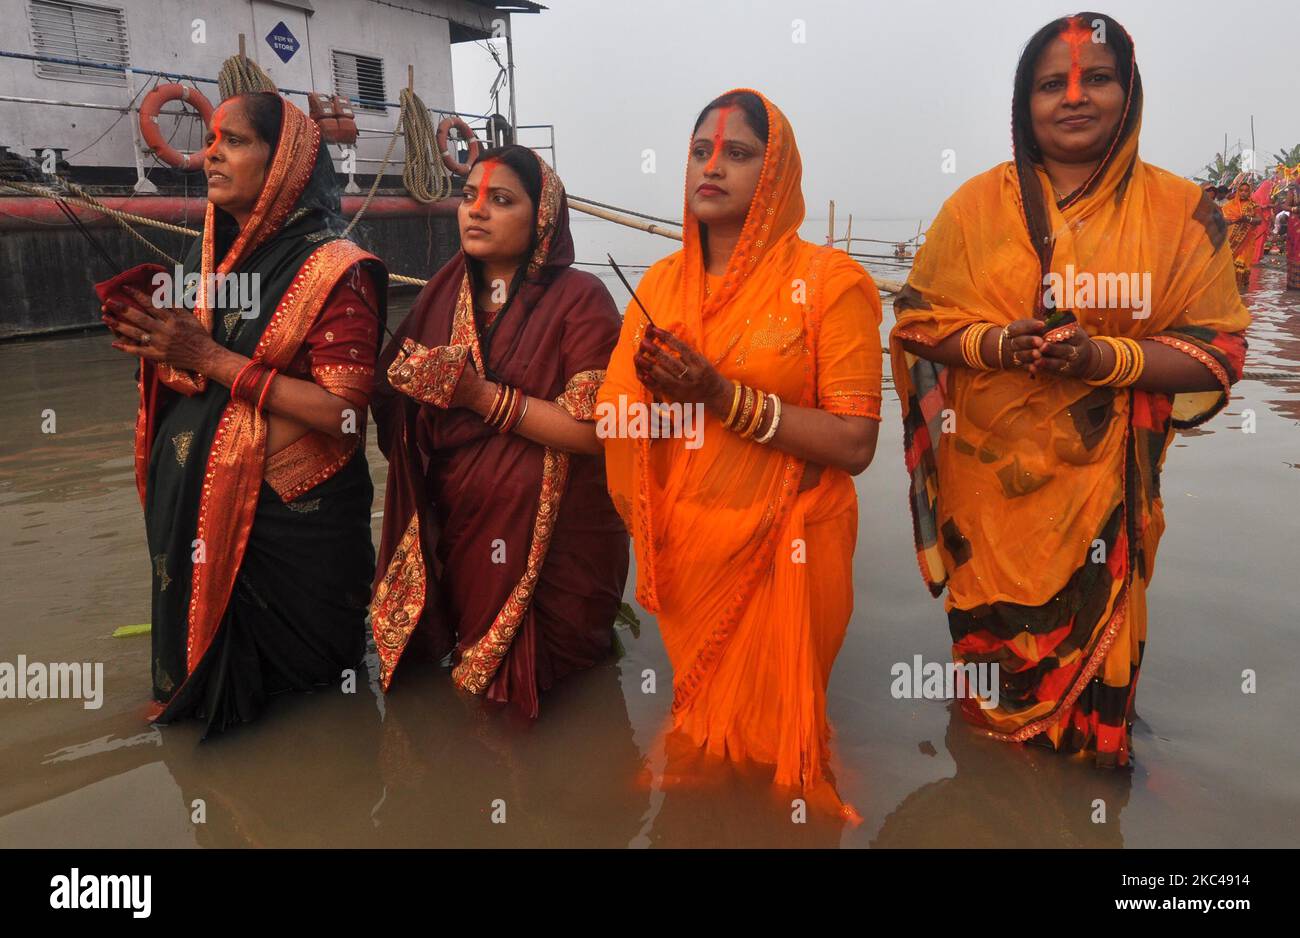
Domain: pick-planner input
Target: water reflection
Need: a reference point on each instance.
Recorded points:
(1010, 796)
(424, 765)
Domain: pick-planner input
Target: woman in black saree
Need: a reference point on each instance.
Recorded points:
(250, 461)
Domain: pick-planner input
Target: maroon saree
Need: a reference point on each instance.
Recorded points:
(502, 552)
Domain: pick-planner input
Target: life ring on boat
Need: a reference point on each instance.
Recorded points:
(152, 134)
(444, 129)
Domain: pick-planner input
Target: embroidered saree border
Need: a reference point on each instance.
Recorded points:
(237, 458)
(286, 179)
(399, 602)
(400, 596)
(479, 662)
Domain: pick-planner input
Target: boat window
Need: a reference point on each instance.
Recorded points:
(88, 32)
(360, 78)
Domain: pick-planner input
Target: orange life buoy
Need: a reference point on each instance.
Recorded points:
(453, 164)
(152, 134)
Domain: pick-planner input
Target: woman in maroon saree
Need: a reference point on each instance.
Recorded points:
(500, 547)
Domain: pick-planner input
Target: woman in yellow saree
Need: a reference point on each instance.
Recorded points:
(744, 542)
(1069, 310)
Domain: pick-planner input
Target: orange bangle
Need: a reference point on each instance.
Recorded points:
(266, 387)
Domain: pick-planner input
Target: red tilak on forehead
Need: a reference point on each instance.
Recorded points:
(1075, 35)
(216, 125)
(483, 184)
(717, 137)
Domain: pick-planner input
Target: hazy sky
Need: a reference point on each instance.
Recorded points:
(877, 91)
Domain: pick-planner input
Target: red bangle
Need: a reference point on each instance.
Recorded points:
(507, 409)
(498, 399)
(516, 411)
(247, 381)
(236, 386)
(266, 387)
(519, 415)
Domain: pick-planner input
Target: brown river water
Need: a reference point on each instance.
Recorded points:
(1214, 766)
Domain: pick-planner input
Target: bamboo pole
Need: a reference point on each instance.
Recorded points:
(241, 46)
(646, 226)
(830, 228)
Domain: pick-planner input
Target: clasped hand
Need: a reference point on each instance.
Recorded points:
(161, 334)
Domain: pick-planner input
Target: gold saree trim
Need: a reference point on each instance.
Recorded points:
(237, 460)
(479, 662)
(307, 462)
(398, 602)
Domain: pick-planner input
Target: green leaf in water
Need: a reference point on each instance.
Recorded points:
(126, 631)
(626, 616)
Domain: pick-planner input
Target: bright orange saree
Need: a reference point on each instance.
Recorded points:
(1036, 502)
(751, 579)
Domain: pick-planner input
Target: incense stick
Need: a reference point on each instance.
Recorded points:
(617, 270)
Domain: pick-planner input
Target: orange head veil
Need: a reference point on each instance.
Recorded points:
(720, 505)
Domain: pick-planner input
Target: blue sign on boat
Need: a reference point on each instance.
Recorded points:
(282, 41)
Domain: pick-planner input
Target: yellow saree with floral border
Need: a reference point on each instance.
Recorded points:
(1036, 502)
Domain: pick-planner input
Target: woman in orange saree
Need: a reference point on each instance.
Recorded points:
(744, 537)
(1245, 228)
(1037, 413)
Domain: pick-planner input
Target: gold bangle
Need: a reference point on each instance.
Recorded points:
(511, 404)
(965, 345)
(499, 408)
(1129, 359)
(746, 403)
(1002, 337)
(490, 416)
(1136, 362)
(1115, 369)
(971, 341)
(735, 406)
(760, 408)
(776, 419)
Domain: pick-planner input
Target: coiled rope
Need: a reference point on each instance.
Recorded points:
(241, 75)
(424, 175)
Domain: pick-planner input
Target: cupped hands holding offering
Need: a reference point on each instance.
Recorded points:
(161, 334)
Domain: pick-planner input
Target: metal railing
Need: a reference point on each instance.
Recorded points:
(143, 184)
